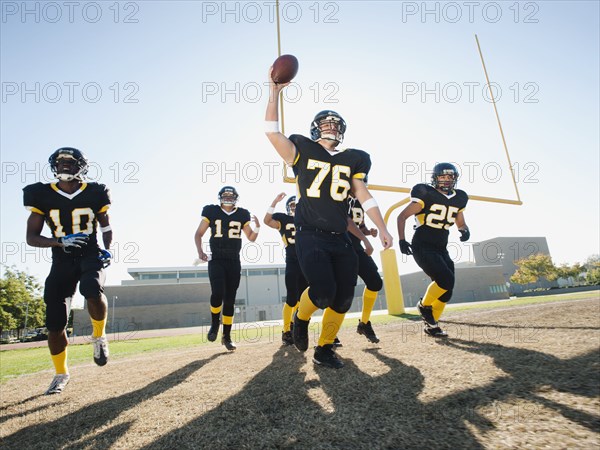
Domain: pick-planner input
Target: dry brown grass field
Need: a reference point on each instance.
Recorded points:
(516, 377)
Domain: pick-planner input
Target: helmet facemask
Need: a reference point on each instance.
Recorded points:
(290, 205)
(328, 125)
(228, 196)
(77, 167)
(444, 177)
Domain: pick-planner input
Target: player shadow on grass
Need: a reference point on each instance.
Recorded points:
(385, 411)
(4, 417)
(266, 413)
(523, 326)
(345, 408)
(67, 430)
(529, 375)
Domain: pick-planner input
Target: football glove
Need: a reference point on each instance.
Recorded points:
(105, 257)
(465, 234)
(405, 247)
(71, 242)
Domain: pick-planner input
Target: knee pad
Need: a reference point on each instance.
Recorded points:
(90, 288)
(322, 296)
(56, 317)
(343, 300)
(374, 284)
(446, 296)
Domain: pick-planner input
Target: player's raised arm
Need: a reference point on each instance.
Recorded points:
(268, 219)
(282, 144)
(250, 233)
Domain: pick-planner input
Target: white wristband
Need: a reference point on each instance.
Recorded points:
(106, 228)
(257, 229)
(271, 126)
(371, 203)
(271, 210)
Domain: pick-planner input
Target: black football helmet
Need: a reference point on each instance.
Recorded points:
(290, 205)
(78, 159)
(328, 116)
(444, 169)
(228, 195)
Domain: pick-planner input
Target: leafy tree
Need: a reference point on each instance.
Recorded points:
(592, 267)
(533, 268)
(20, 299)
(572, 273)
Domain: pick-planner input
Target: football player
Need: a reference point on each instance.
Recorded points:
(71, 208)
(436, 208)
(226, 222)
(324, 176)
(367, 269)
(295, 282)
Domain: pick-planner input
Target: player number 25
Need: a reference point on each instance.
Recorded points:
(440, 214)
(339, 186)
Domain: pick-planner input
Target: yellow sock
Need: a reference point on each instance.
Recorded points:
(286, 315)
(60, 362)
(227, 320)
(433, 292)
(306, 308)
(438, 308)
(215, 309)
(98, 327)
(369, 298)
(332, 321)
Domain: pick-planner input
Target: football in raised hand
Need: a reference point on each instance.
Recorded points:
(285, 69)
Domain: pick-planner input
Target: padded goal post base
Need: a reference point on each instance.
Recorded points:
(391, 282)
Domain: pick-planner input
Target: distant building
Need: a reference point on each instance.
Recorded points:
(174, 297)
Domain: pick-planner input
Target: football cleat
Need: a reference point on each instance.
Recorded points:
(426, 314)
(228, 343)
(100, 350)
(435, 332)
(325, 356)
(287, 338)
(213, 331)
(337, 343)
(367, 331)
(300, 333)
(59, 382)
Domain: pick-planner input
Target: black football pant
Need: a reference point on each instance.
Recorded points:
(330, 266)
(61, 285)
(368, 271)
(438, 265)
(295, 282)
(224, 275)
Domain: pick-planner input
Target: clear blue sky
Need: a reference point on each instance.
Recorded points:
(167, 99)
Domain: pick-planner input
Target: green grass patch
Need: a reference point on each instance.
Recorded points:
(14, 363)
